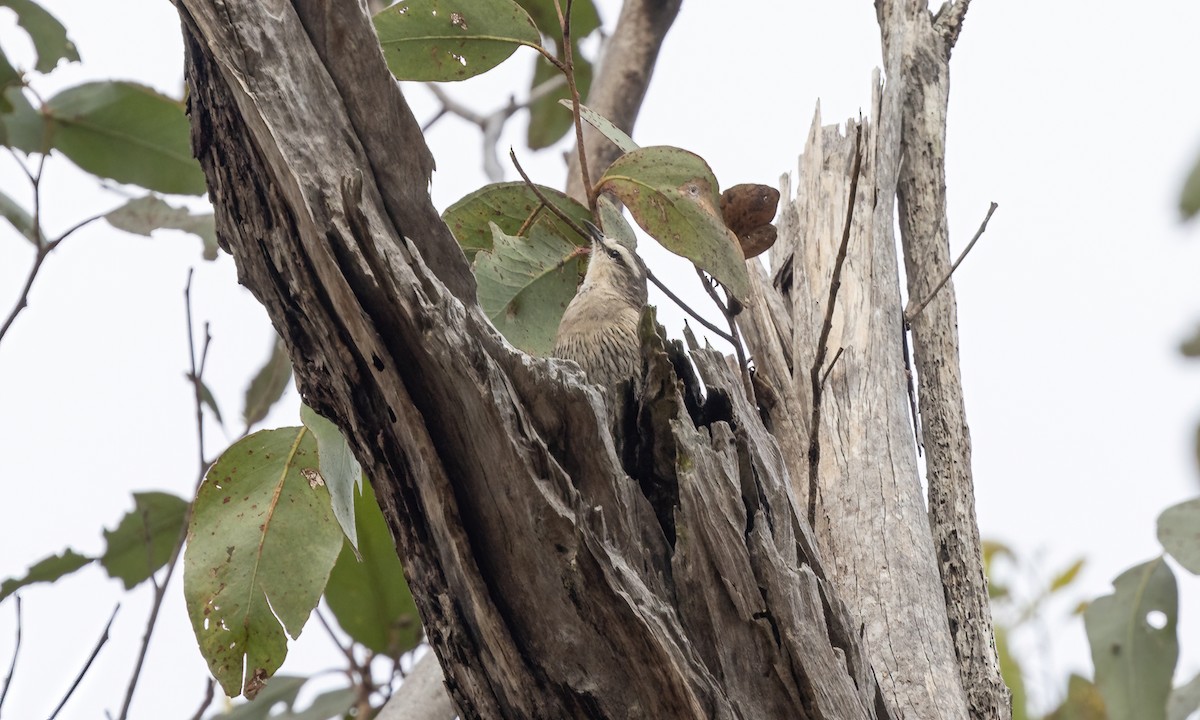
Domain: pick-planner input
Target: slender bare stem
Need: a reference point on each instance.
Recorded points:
(733, 336)
(913, 312)
(87, 665)
(16, 651)
(814, 374)
(684, 306)
(542, 197)
(825, 375)
(568, 54)
(196, 375)
(208, 698)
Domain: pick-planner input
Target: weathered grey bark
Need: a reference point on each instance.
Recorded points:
(621, 81)
(924, 42)
(550, 583)
(869, 516)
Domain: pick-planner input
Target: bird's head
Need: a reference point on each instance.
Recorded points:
(615, 266)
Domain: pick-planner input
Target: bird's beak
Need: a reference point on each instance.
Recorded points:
(594, 231)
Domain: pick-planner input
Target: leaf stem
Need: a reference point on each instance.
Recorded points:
(568, 53)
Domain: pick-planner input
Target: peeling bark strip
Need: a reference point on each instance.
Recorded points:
(923, 42)
(542, 575)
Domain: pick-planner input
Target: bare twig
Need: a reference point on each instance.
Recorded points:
(542, 197)
(912, 312)
(835, 283)
(44, 248)
(825, 375)
(733, 336)
(564, 19)
(912, 390)
(684, 307)
(16, 651)
(208, 698)
(491, 124)
(87, 665)
(348, 652)
(196, 375)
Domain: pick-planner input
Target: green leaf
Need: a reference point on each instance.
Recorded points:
(370, 599)
(210, 401)
(1066, 576)
(510, 206)
(606, 128)
(10, 79)
(1189, 199)
(23, 128)
(126, 132)
(47, 570)
(1134, 660)
(1083, 702)
(584, 18)
(547, 121)
(268, 385)
(612, 222)
(1010, 670)
(48, 34)
(1191, 347)
(144, 215)
(1184, 700)
(1179, 533)
(144, 539)
(281, 689)
(525, 285)
(339, 468)
(261, 544)
(332, 704)
(672, 194)
(16, 215)
(433, 40)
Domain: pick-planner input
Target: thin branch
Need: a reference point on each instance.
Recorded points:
(542, 197)
(825, 375)
(44, 248)
(911, 313)
(564, 20)
(346, 650)
(684, 307)
(16, 651)
(87, 665)
(912, 390)
(734, 338)
(196, 375)
(208, 698)
(835, 283)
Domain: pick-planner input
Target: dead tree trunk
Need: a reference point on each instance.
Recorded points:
(547, 583)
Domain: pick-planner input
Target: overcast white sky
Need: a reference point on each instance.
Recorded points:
(1079, 118)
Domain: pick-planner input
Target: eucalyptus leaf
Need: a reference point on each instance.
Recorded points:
(605, 126)
(672, 194)
(268, 384)
(1184, 700)
(281, 689)
(511, 206)
(342, 473)
(17, 216)
(1133, 655)
(1179, 533)
(46, 570)
(525, 285)
(1189, 198)
(126, 132)
(50, 41)
(145, 538)
(261, 545)
(443, 40)
(23, 127)
(369, 597)
(144, 215)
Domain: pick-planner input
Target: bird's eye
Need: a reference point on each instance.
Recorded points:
(613, 253)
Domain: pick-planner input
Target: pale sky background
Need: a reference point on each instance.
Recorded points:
(1079, 118)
